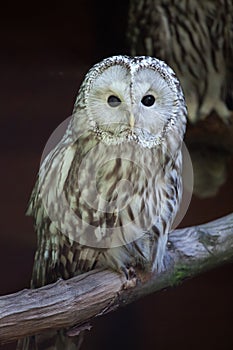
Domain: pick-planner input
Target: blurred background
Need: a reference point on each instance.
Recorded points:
(46, 49)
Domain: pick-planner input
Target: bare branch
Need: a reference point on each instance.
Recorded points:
(77, 301)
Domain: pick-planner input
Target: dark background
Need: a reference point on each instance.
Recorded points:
(45, 52)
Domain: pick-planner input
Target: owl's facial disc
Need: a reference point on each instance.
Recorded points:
(122, 102)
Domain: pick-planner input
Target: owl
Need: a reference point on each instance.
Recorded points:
(107, 194)
(196, 39)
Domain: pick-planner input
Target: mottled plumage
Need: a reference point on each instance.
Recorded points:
(108, 193)
(196, 39)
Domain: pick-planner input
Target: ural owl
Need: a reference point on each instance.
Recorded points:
(108, 193)
(196, 39)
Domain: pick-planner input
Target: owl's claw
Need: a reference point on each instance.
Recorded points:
(131, 276)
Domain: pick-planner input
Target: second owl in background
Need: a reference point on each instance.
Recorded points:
(196, 39)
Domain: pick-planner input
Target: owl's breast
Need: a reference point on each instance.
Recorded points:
(113, 192)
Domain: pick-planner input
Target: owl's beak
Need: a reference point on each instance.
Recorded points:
(131, 120)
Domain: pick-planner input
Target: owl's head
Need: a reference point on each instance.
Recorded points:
(132, 98)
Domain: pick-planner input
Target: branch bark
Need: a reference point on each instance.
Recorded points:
(77, 301)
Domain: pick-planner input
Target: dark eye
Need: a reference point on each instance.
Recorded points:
(114, 101)
(148, 100)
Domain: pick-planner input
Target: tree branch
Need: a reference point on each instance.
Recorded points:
(77, 301)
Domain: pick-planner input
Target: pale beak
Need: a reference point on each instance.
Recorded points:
(131, 120)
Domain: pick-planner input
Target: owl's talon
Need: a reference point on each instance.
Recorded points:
(132, 273)
(131, 276)
(130, 283)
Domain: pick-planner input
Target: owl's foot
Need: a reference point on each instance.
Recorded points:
(131, 276)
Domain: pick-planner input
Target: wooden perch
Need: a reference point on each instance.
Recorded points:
(75, 302)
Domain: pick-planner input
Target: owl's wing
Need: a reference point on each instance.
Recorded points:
(57, 255)
(45, 268)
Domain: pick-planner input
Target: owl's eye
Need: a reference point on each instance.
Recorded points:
(148, 100)
(114, 101)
